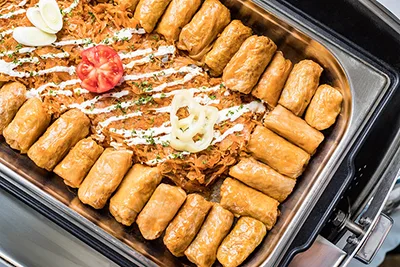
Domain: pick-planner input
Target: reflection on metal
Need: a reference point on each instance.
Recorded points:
(321, 253)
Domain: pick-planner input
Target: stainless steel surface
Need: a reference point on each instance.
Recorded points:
(321, 253)
(361, 85)
(29, 239)
(375, 240)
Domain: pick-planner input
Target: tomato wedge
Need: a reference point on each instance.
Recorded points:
(100, 69)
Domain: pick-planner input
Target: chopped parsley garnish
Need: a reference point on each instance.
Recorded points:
(213, 97)
(92, 15)
(165, 143)
(163, 95)
(18, 47)
(144, 100)
(150, 139)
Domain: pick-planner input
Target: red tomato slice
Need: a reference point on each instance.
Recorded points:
(100, 69)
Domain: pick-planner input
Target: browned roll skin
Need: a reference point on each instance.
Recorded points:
(148, 12)
(177, 15)
(263, 178)
(203, 250)
(294, 129)
(324, 107)
(278, 153)
(227, 44)
(104, 177)
(27, 126)
(76, 165)
(160, 210)
(245, 201)
(197, 36)
(58, 139)
(134, 192)
(12, 96)
(300, 86)
(246, 66)
(131, 4)
(247, 234)
(184, 227)
(270, 85)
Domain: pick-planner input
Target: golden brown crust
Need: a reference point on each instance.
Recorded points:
(177, 15)
(284, 123)
(246, 66)
(184, 227)
(58, 139)
(245, 201)
(203, 250)
(300, 86)
(12, 96)
(263, 178)
(270, 85)
(197, 36)
(278, 153)
(76, 165)
(27, 126)
(241, 242)
(324, 107)
(148, 12)
(227, 44)
(105, 176)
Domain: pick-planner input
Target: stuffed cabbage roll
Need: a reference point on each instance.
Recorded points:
(227, 44)
(148, 12)
(160, 210)
(270, 85)
(76, 165)
(197, 36)
(58, 139)
(12, 96)
(246, 66)
(134, 192)
(203, 250)
(324, 107)
(247, 234)
(28, 125)
(184, 227)
(104, 177)
(245, 201)
(278, 153)
(177, 15)
(263, 178)
(300, 86)
(294, 129)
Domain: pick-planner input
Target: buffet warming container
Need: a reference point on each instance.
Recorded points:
(362, 84)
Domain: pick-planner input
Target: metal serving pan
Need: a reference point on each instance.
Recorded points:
(362, 86)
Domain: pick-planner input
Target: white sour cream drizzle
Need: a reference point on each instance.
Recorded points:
(161, 51)
(72, 6)
(57, 55)
(7, 32)
(170, 156)
(36, 92)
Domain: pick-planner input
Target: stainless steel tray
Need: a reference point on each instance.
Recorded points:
(362, 86)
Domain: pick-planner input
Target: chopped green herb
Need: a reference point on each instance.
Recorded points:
(213, 97)
(92, 15)
(144, 100)
(165, 143)
(163, 95)
(19, 46)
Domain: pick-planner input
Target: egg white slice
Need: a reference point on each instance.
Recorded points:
(51, 14)
(32, 36)
(34, 16)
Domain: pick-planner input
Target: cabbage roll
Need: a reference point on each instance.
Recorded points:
(177, 15)
(300, 86)
(203, 250)
(134, 192)
(247, 234)
(197, 36)
(294, 129)
(270, 85)
(76, 165)
(227, 44)
(184, 227)
(324, 107)
(263, 178)
(278, 153)
(130, 4)
(148, 12)
(58, 139)
(28, 125)
(12, 96)
(245, 201)
(160, 210)
(104, 177)
(246, 66)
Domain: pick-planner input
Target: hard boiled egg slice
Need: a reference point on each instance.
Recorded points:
(32, 36)
(51, 14)
(36, 19)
